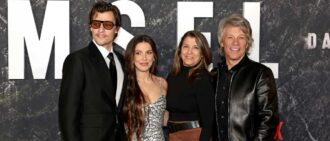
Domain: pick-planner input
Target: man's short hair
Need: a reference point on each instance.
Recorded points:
(103, 6)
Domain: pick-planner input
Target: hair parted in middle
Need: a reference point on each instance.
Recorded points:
(205, 53)
(235, 20)
(134, 112)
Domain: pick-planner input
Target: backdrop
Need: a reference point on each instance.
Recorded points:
(291, 37)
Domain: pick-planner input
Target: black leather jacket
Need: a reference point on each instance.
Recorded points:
(252, 102)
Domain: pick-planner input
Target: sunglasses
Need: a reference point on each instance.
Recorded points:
(108, 25)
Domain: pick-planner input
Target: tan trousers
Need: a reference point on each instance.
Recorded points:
(186, 135)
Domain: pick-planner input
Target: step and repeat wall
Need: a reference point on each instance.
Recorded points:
(291, 37)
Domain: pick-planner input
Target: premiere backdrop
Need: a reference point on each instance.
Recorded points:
(294, 34)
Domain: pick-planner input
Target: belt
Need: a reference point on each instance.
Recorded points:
(175, 127)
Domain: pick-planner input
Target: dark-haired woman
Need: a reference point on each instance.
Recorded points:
(145, 101)
(190, 97)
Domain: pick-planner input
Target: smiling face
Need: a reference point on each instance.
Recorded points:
(190, 52)
(102, 36)
(235, 45)
(143, 57)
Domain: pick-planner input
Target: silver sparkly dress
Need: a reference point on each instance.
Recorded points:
(154, 120)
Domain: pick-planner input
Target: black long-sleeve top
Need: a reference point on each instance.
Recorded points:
(189, 100)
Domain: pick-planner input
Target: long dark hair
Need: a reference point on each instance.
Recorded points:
(205, 53)
(134, 102)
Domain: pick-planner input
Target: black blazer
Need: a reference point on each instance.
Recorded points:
(87, 106)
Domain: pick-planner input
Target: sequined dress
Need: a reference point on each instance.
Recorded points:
(154, 120)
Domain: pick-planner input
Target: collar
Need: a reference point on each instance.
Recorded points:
(237, 66)
(103, 50)
(185, 69)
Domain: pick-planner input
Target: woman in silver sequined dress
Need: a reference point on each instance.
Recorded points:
(145, 102)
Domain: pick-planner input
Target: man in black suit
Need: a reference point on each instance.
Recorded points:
(90, 99)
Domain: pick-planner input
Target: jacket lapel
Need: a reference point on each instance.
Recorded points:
(104, 75)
